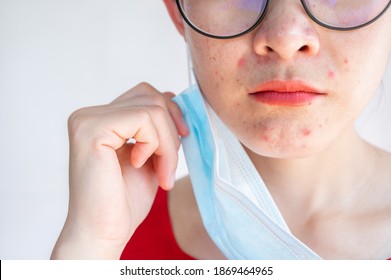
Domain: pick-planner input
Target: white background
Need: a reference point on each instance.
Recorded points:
(60, 55)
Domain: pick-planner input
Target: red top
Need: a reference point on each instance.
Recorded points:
(154, 238)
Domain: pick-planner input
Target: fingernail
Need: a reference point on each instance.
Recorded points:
(184, 129)
(169, 94)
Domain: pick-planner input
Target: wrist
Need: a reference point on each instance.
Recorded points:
(75, 244)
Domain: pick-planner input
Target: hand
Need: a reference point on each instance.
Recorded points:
(113, 182)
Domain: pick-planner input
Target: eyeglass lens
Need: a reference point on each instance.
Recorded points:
(346, 13)
(226, 18)
(223, 17)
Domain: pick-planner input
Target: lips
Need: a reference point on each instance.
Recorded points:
(286, 93)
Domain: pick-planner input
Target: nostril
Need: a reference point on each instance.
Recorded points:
(304, 49)
(285, 45)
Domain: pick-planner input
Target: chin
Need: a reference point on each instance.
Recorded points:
(284, 149)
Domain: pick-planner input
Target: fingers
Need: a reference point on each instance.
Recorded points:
(145, 94)
(154, 139)
(150, 128)
(165, 161)
(145, 115)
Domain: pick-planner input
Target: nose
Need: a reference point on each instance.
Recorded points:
(286, 32)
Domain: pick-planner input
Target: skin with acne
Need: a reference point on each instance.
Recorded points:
(259, 57)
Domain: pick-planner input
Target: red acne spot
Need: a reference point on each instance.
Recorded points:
(346, 61)
(241, 63)
(331, 74)
(265, 138)
(306, 131)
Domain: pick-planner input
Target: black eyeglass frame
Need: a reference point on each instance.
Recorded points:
(262, 15)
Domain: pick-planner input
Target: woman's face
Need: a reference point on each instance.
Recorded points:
(288, 52)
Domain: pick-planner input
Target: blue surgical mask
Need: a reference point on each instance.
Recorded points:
(236, 207)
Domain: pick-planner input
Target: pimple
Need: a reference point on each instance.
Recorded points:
(265, 138)
(241, 63)
(346, 61)
(306, 131)
(331, 74)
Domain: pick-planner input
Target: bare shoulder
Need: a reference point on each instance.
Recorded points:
(188, 228)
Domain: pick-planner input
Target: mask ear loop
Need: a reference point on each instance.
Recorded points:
(190, 69)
